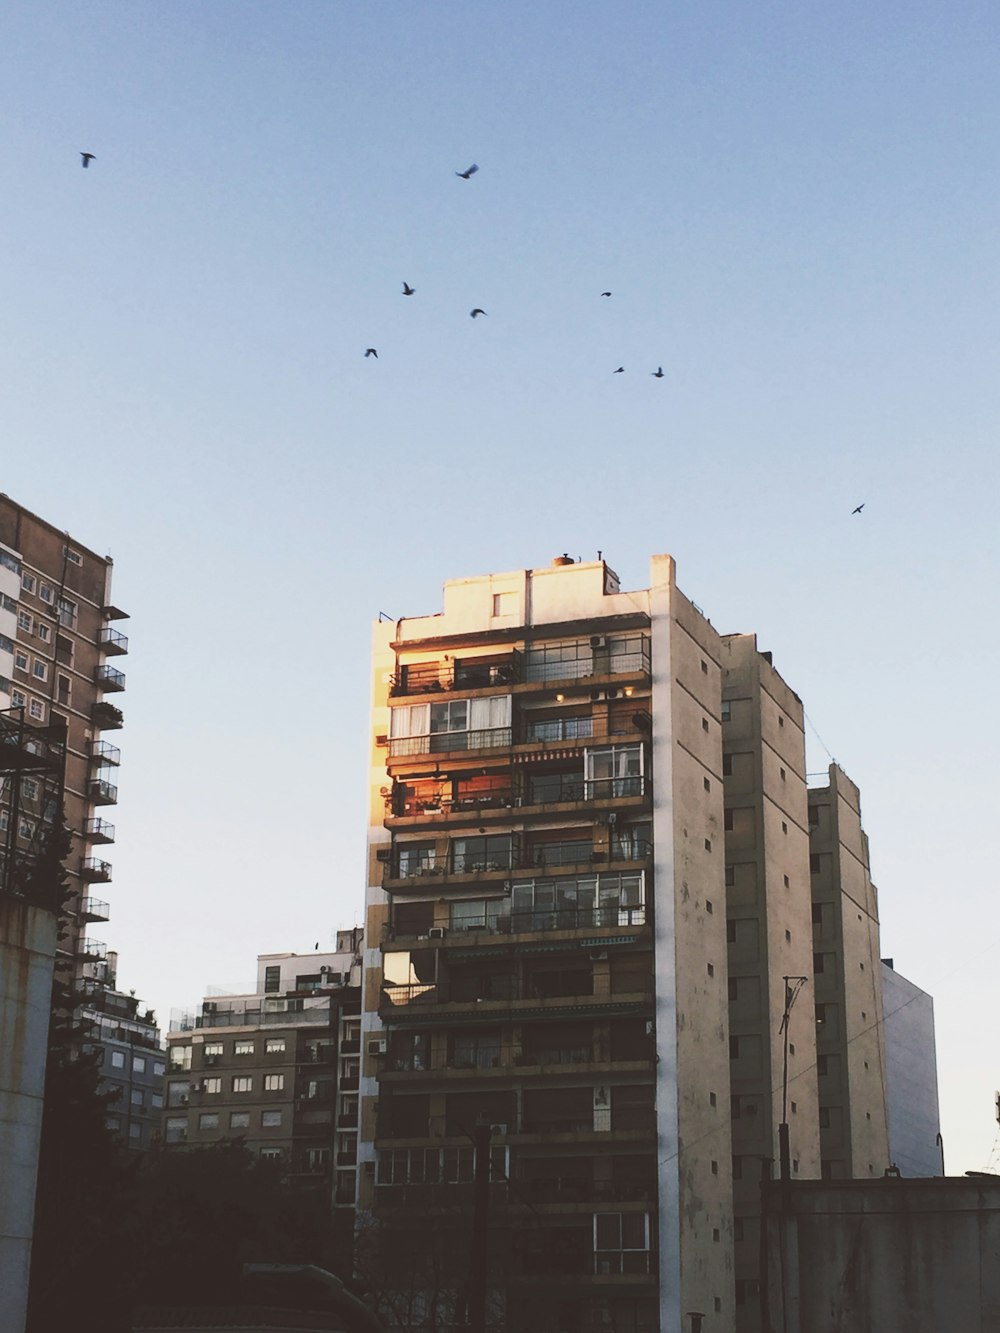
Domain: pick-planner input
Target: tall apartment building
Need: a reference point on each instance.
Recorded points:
(126, 1041)
(590, 925)
(58, 664)
(278, 1068)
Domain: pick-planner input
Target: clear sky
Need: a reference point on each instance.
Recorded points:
(796, 207)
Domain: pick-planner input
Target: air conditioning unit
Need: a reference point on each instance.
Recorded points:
(383, 854)
(437, 932)
(382, 740)
(598, 641)
(376, 1046)
(498, 1131)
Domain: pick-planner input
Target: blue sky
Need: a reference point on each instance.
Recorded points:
(796, 210)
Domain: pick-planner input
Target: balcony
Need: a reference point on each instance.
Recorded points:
(105, 754)
(409, 806)
(449, 742)
(109, 679)
(102, 793)
(438, 1003)
(99, 830)
(106, 716)
(92, 950)
(350, 1046)
(93, 909)
(95, 870)
(114, 643)
(347, 1120)
(624, 655)
(474, 674)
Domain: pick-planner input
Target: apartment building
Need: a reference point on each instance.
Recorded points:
(126, 1041)
(915, 1144)
(59, 643)
(547, 949)
(278, 1068)
(592, 927)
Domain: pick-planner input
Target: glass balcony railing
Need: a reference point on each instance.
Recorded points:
(109, 678)
(449, 742)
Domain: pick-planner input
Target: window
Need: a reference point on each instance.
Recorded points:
(727, 713)
(270, 1154)
(45, 592)
(272, 978)
(208, 1120)
(709, 908)
(727, 820)
(819, 962)
(64, 687)
(781, 721)
(156, 1100)
(117, 1059)
(704, 724)
(788, 936)
(781, 771)
(18, 698)
(40, 670)
(243, 1048)
(814, 863)
(730, 876)
(708, 844)
(727, 765)
(813, 816)
(621, 1243)
(159, 1069)
(613, 770)
(704, 667)
(36, 709)
(504, 603)
(270, 1119)
(243, 1083)
(175, 1129)
(139, 1064)
(8, 603)
(20, 658)
(67, 612)
(29, 789)
(43, 632)
(179, 1057)
(137, 1097)
(824, 1117)
(74, 557)
(731, 931)
(212, 1086)
(239, 1120)
(274, 1045)
(784, 827)
(273, 1082)
(27, 580)
(212, 1051)
(787, 882)
(135, 1131)
(24, 621)
(707, 785)
(64, 650)
(178, 1093)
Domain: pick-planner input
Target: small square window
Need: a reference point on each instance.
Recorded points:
(715, 1168)
(73, 557)
(37, 710)
(40, 670)
(117, 1059)
(28, 582)
(864, 1015)
(791, 1048)
(784, 827)
(274, 1082)
(788, 936)
(242, 1083)
(711, 969)
(139, 1064)
(708, 844)
(21, 661)
(787, 881)
(704, 667)
(707, 784)
(716, 1234)
(782, 772)
(795, 1108)
(239, 1120)
(208, 1120)
(24, 621)
(270, 1119)
(274, 1045)
(704, 724)
(708, 906)
(712, 1099)
(781, 720)
(18, 698)
(45, 592)
(212, 1086)
(243, 1048)
(137, 1098)
(504, 603)
(718, 1305)
(159, 1069)
(43, 632)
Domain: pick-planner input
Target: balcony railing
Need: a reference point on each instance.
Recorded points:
(102, 793)
(99, 830)
(515, 922)
(504, 990)
(113, 641)
(559, 729)
(410, 805)
(558, 788)
(106, 716)
(597, 656)
(432, 677)
(224, 1018)
(104, 753)
(94, 869)
(93, 949)
(93, 909)
(449, 742)
(109, 678)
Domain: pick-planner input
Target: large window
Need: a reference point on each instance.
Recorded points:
(612, 771)
(621, 1243)
(566, 903)
(435, 1166)
(481, 853)
(457, 724)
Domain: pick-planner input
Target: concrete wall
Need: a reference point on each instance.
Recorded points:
(27, 951)
(911, 1076)
(885, 1256)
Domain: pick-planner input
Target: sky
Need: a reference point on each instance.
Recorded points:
(796, 208)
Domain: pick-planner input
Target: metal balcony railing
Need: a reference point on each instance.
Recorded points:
(449, 742)
(559, 729)
(109, 678)
(93, 909)
(102, 793)
(401, 805)
(93, 949)
(94, 869)
(113, 641)
(99, 830)
(502, 989)
(433, 677)
(597, 656)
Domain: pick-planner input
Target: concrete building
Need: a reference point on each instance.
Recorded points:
(57, 663)
(132, 1060)
(911, 1076)
(886, 1256)
(589, 903)
(278, 1068)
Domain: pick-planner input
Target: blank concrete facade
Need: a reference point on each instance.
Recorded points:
(884, 1256)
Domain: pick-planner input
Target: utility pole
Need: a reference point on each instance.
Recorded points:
(784, 1150)
(476, 1310)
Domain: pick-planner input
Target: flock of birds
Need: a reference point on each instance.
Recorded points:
(408, 290)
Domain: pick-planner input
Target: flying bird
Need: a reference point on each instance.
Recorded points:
(469, 171)
(657, 373)
(370, 351)
(87, 158)
(859, 508)
(477, 311)
(407, 289)
(605, 293)
(619, 371)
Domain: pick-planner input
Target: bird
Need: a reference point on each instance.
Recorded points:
(619, 371)
(87, 158)
(469, 171)
(477, 311)
(859, 508)
(370, 351)
(657, 373)
(407, 289)
(605, 293)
